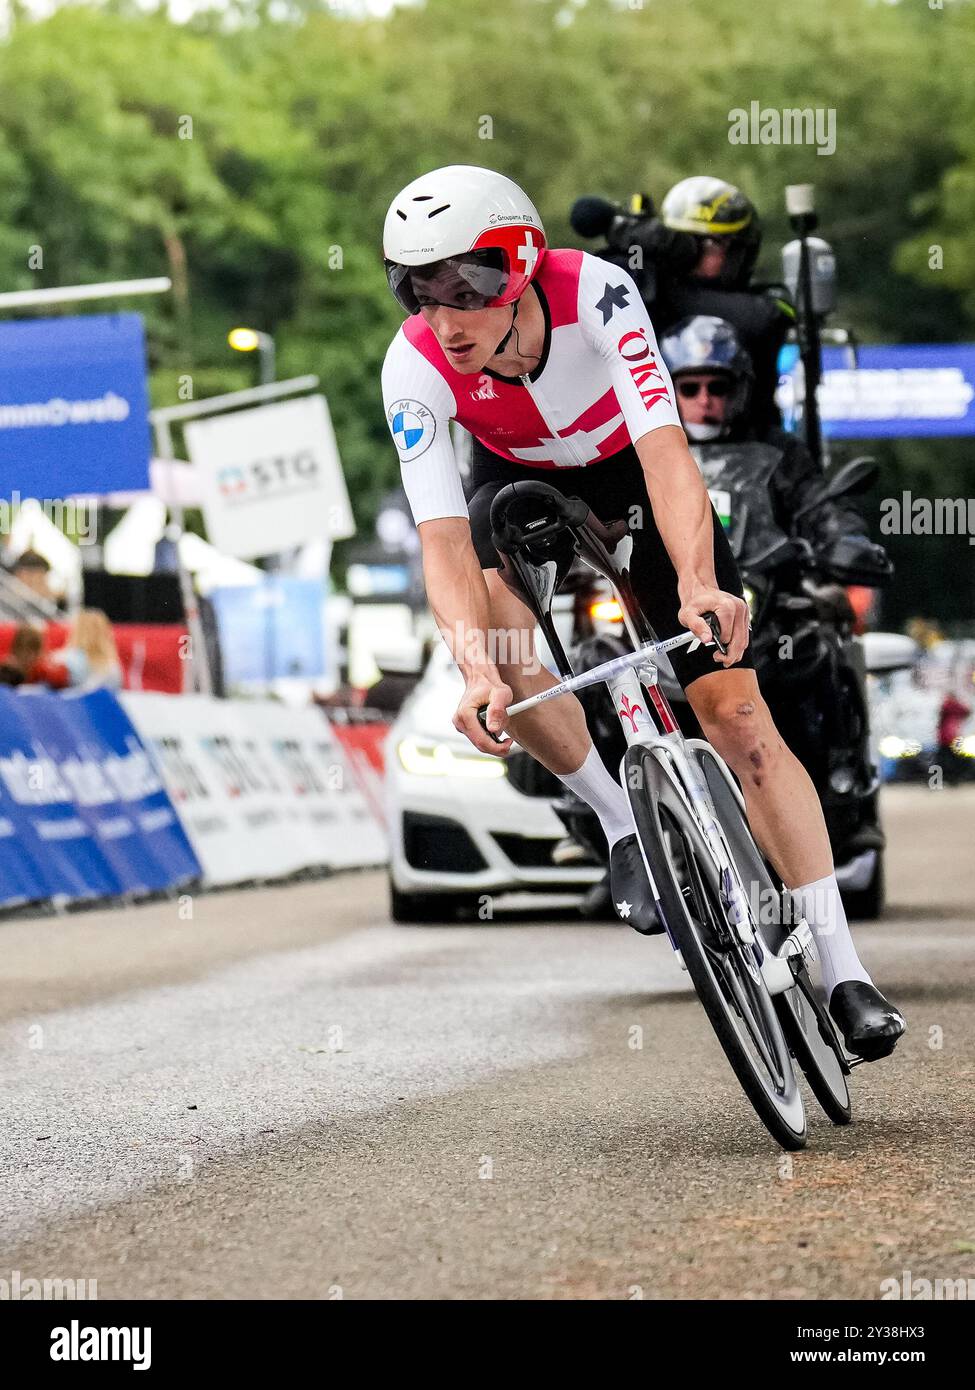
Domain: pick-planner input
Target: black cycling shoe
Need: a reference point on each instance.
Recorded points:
(869, 1023)
(632, 900)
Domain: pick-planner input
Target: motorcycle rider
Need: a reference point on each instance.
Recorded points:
(697, 258)
(775, 490)
(714, 379)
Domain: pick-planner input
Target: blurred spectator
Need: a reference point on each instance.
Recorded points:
(91, 645)
(33, 570)
(89, 658)
(951, 721)
(25, 651)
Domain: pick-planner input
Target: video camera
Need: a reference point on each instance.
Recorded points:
(636, 234)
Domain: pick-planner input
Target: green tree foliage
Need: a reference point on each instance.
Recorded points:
(252, 157)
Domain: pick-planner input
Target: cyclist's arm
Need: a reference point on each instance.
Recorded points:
(419, 406)
(458, 596)
(415, 395)
(682, 511)
(615, 322)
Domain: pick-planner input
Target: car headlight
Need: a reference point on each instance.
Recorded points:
(428, 757)
(890, 746)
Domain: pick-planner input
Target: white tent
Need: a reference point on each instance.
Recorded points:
(213, 569)
(130, 547)
(171, 480)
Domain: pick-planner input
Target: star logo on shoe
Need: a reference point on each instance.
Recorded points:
(624, 909)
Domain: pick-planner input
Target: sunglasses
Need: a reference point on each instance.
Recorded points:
(471, 281)
(717, 389)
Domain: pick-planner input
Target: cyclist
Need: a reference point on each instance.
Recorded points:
(548, 358)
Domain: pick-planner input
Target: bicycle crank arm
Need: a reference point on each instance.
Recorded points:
(799, 942)
(776, 971)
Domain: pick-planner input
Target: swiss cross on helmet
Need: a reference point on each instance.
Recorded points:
(463, 236)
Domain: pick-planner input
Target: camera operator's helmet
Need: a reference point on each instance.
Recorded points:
(476, 235)
(708, 344)
(708, 207)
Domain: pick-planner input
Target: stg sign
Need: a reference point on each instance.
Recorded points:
(262, 476)
(270, 477)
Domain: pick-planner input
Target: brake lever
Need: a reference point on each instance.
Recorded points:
(712, 621)
(482, 720)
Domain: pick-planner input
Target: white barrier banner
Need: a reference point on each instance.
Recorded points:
(262, 790)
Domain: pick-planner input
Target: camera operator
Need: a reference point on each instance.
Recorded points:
(696, 258)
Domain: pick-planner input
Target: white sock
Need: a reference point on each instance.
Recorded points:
(821, 905)
(607, 798)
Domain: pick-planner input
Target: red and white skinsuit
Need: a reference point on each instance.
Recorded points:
(601, 384)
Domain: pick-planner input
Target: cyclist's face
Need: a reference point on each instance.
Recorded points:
(468, 336)
(702, 397)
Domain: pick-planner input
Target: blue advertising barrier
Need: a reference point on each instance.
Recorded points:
(83, 812)
(895, 392)
(74, 406)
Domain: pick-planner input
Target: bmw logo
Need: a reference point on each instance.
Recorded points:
(412, 426)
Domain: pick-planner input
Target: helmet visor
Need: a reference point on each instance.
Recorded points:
(471, 281)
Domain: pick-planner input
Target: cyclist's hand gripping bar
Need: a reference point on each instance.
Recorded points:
(482, 720)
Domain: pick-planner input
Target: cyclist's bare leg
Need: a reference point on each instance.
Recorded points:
(787, 821)
(556, 734)
(783, 809)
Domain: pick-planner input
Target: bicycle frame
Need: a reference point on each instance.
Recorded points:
(624, 676)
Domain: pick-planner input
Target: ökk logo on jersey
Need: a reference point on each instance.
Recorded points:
(635, 350)
(412, 426)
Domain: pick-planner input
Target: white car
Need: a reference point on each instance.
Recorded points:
(461, 833)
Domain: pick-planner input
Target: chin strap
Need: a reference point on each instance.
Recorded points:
(504, 341)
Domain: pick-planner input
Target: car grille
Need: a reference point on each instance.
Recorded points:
(527, 851)
(434, 842)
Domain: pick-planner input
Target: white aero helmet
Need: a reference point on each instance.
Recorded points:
(478, 238)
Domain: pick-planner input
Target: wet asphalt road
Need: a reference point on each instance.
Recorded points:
(285, 1096)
